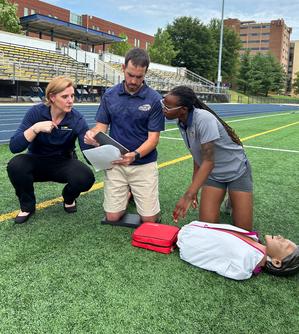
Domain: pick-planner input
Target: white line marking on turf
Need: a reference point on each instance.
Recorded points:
(241, 120)
(171, 138)
(271, 149)
(172, 129)
(247, 146)
(249, 118)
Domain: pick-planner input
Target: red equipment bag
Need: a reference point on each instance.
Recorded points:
(156, 237)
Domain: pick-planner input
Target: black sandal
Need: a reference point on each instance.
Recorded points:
(70, 209)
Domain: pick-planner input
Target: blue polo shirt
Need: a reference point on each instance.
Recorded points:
(132, 116)
(60, 142)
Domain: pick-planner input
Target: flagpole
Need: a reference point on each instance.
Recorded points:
(219, 78)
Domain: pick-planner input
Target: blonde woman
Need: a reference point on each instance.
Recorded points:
(49, 132)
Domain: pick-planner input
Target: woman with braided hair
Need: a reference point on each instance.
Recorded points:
(220, 163)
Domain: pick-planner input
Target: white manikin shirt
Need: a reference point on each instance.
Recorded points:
(208, 247)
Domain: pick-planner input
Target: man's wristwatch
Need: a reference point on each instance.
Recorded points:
(137, 155)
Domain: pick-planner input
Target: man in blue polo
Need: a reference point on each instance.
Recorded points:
(133, 113)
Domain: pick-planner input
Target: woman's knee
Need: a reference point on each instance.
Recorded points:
(18, 165)
(83, 177)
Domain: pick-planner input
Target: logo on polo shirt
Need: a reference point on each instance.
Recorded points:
(145, 107)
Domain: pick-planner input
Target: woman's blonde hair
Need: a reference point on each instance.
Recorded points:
(57, 85)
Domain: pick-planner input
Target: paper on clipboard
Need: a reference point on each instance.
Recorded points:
(101, 157)
(104, 139)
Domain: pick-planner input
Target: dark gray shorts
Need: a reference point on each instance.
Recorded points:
(243, 183)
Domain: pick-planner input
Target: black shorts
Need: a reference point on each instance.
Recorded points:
(243, 183)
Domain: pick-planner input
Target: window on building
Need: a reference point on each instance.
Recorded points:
(32, 11)
(254, 34)
(265, 41)
(26, 11)
(254, 41)
(147, 45)
(243, 34)
(76, 19)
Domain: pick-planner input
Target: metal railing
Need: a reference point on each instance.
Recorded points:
(111, 75)
(266, 100)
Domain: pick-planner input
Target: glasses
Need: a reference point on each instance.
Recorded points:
(168, 109)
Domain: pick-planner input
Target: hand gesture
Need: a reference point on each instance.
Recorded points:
(126, 159)
(183, 205)
(195, 201)
(45, 126)
(89, 138)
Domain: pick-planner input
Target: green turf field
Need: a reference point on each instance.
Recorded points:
(68, 274)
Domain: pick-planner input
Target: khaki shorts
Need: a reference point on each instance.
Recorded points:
(143, 181)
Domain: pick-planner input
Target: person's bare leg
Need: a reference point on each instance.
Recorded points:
(242, 209)
(114, 216)
(154, 218)
(210, 202)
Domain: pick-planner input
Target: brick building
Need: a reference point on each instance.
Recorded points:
(266, 37)
(29, 7)
(293, 63)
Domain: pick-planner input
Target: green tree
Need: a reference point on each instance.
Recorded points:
(120, 48)
(194, 44)
(230, 51)
(162, 51)
(265, 75)
(245, 67)
(9, 20)
(279, 76)
(259, 76)
(296, 84)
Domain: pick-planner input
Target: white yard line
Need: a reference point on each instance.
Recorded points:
(170, 129)
(271, 149)
(171, 138)
(247, 146)
(249, 118)
(240, 120)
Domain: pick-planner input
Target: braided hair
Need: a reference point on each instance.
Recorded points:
(187, 98)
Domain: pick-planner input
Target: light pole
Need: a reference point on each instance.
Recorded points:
(219, 79)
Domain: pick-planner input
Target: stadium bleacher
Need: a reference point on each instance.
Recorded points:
(36, 65)
(23, 66)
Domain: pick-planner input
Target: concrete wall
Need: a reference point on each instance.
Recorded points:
(32, 42)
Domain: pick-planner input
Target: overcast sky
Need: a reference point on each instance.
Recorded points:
(149, 15)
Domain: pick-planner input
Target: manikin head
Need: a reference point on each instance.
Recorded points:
(282, 256)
